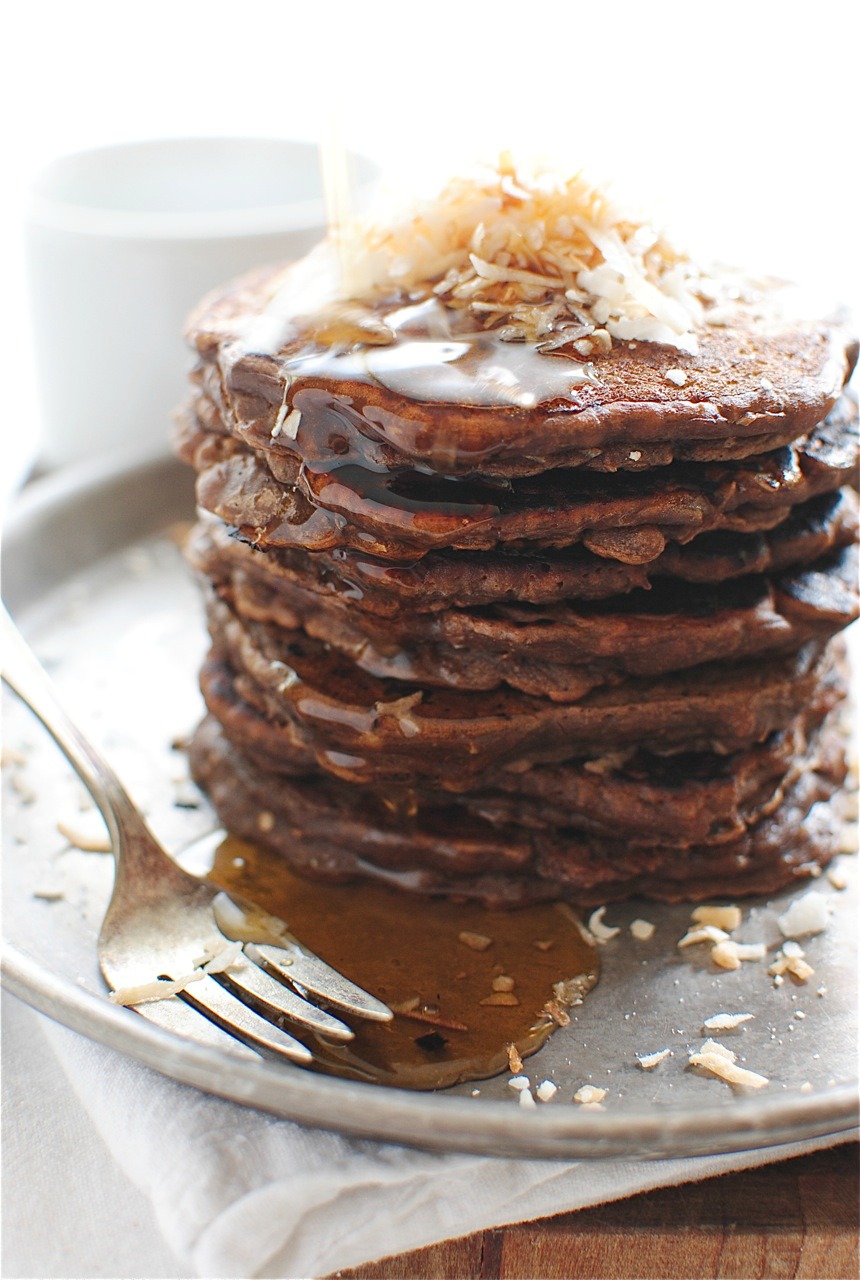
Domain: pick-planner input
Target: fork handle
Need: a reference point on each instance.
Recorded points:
(24, 674)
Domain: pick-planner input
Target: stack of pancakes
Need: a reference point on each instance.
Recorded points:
(517, 646)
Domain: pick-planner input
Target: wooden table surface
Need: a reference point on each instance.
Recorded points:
(798, 1218)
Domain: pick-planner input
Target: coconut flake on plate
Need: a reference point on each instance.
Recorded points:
(642, 930)
(589, 1095)
(601, 932)
(791, 960)
(648, 1060)
(726, 1021)
(727, 918)
(730, 954)
(707, 933)
(807, 915)
(86, 832)
(722, 1063)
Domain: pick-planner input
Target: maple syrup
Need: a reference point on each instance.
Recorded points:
(464, 982)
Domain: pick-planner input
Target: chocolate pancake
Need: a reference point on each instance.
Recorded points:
(367, 729)
(645, 798)
(561, 650)
(763, 370)
(463, 579)
(286, 457)
(400, 515)
(326, 830)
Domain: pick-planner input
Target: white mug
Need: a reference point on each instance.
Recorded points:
(121, 243)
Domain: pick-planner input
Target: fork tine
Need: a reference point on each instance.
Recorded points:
(216, 1002)
(270, 944)
(296, 964)
(182, 1020)
(280, 1001)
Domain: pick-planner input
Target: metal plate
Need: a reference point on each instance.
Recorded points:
(96, 581)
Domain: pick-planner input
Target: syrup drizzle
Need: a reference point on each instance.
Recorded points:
(432, 356)
(410, 953)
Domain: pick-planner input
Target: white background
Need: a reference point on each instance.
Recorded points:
(736, 120)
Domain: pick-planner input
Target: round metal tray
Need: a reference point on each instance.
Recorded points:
(94, 577)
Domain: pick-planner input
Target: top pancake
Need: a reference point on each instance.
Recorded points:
(765, 374)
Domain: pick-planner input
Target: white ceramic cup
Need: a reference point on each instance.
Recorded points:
(121, 243)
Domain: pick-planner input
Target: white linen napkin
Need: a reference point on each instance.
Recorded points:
(237, 1192)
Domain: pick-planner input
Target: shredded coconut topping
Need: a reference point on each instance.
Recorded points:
(539, 258)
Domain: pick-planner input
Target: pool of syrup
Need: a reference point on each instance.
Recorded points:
(465, 983)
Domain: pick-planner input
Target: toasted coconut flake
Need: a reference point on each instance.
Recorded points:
(726, 1021)
(708, 933)
(224, 959)
(642, 930)
(607, 763)
(210, 948)
(284, 408)
(556, 1013)
(714, 1046)
(729, 954)
(515, 1062)
(837, 878)
(502, 241)
(599, 931)
(725, 954)
(721, 1062)
(49, 894)
(728, 918)
(400, 710)
(90, 838)
(291, 423)
(648, 1060)
(750, 950)
(503, 998)
(849, 837)
(807, 915)
(589, 1093)
(474, 941)
(159, 989)
(791, 960)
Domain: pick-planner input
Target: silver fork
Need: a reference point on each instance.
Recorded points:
(160, 917)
